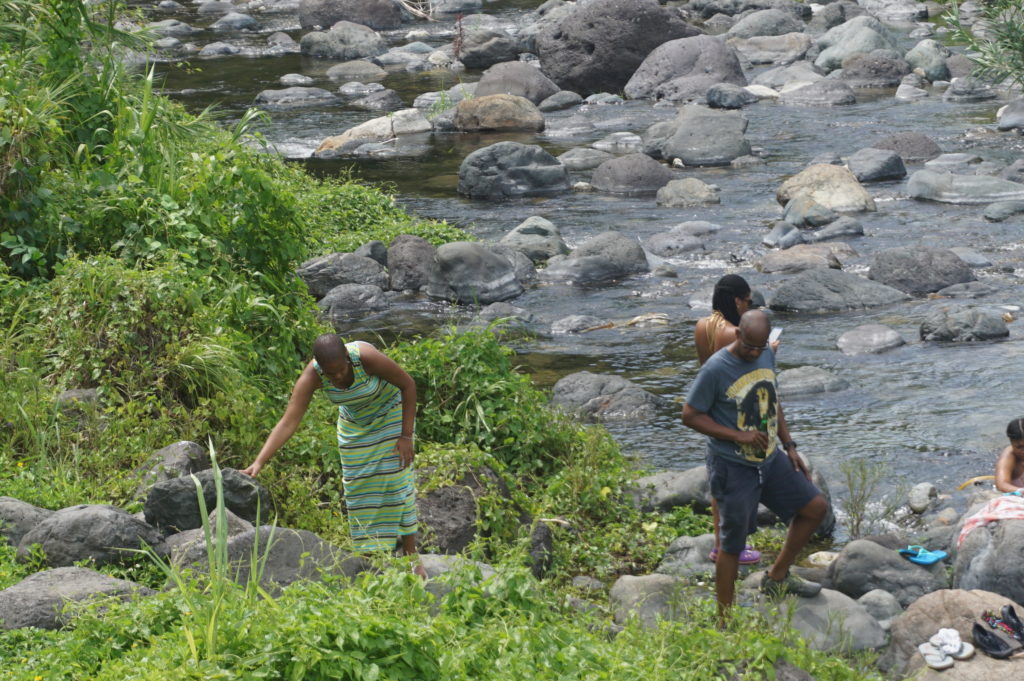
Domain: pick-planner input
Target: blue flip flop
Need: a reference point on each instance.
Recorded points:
(921, 555)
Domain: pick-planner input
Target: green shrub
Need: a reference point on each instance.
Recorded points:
(996, 39)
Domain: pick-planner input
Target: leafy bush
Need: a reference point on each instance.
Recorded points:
(996, 38)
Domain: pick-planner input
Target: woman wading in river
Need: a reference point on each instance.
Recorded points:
(376, 401)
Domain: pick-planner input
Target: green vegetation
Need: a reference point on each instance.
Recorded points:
(996, 38)
(147, 253)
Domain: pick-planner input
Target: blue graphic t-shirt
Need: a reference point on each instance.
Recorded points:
(740, 395)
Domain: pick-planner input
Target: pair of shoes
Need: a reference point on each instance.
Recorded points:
(935, 658)
(948, 642)
(790, 584)
(921, 555)
(1000, 624)
(748, 556)
(1011, 619)
(990, 643)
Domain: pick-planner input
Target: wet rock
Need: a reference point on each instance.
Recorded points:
(173, 504)
(834, 621)
(827, 290)
(962, 189)
(234, 21)
(919, 269)
(833, 187)
(457, 6)
(777, 78)
(325, 272)
(988, 559)
(510, 169)
(597, 397)
(968, 90)
(881, 605)
(782, 49)
(577, 324)
(921, 496)
(631, 175)
(18, 517)
(1003, 210)
(344, 41)
(913, 147)
(409, 262)
(295, 96)
(910, 93)
(860, 35)
(765, 22)
(498, 112)
(445, 99)
(403, 122)
(218, 50)
(484, 47)
(583, 158)
(469, 273)
(875, 70)
(171, 28)
(666, 490)
(649, 599)
(930, 56)
(173, 461)
(377, 14)
(620, 142)
(516, 78)
(574, 126)
(798, 258)
(699, 136)
(687, 192)
(1012, 115)
(674, 242)
(346, 301)
(597, 46)
(962, 324)
(829, 16)
(895, 10)
(282, 41)
(382, 100)
(783, 235)
(825, 92)
(214, 7)
(688, 557)
(563, 99)
(972, 289)
(104, 534)
(41, 600)
(841, 228)
(295, 79)
(1014, 172)
(505, 312)
(803, 211)
(537, 238)
(863, 566)
(357, 89)
(356, 70)
(876, 165)
(869, 339)
(809, 380)
(971, 257)
(684, 69)
(728, 96)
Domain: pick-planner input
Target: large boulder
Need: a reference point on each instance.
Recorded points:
(47, 599)
(632, 175)
(347, 301)
(684, 69)
(597, 46)
(649, 598)
(918, 270)
(860, 35)
(798, 258)
(833, 187)
(174, 504)
(18, 517)
(1011, 117)
(410, 259)
(537, 238)
(599, 397)
(930, 56)
(688, 557)
(377, 14)
(449, 513)
(962, 324)
(510, 169)
(516, 78)
(345, 40)
(765, 22)
(929, 185)
(834, 621)
(700, 136)
(879, 69)
(863, 565)
(484, 47)
(827, 290)
(469, 273)
(105, 534)
(668, 489)
(323, 273)
(991, 557)
(498, 112)
(688, 191)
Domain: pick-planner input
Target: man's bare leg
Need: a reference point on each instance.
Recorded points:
(801, 528)
(409, 549)
(727, 569)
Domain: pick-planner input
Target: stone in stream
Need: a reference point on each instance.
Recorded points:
(860, 35)
(962, 189)
(598, 46)
(879, 69)
(962, 324)
(598, 397)
(509, 169)
(909, 93)
(672, 243)
(171, 28)
(798, 258)
(343, 41)
(409, 260)
(469, 273)
(537, 238)
(930, 56)
(869, 339)
(583, 158)
(358, 70)
(498, 113)
(918, 270)
(1003, 210)
(687, 192)
(295, 96)
(921, 496)
(728, 96)
(827, 290)
(825, 92)
(781, 49)
(863, 566)
(631, 175)
(219, 49)
(805, 212)
(684, 69)
(563, 99)
(484, 47)
(403, 122)
(699, 136)
(783, 235)
(235, 21)
(765, 22)
(830, 186)
(1011, 116)
(895, 11)
(968, 90)
(876, 165)
(282, 42)
(577, 323)
(777, 78)
(324, 272)
(989, 558)
(377, 14)
(913, 147)
(809, 380)
(1014, 172)
(104, 534)
(295, 79)
(516, 78)
(602, 258)
(456, 6)
(840, 228)
(382, 100)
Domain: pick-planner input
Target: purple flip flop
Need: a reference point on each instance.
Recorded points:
(748, 556)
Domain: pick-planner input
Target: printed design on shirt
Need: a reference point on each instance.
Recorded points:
(756, 409)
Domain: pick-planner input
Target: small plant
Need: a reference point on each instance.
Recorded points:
(866, 508)
(996, 38)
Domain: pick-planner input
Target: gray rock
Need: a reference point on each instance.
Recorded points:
(930, 56)
(1014, 172)
(358, 70)
(860, 35)
(295, 79)
(509, 169)
(921, 496)
(827, 290)
(48, 599)
(876, 165)
(234, 21)
(684, 69)
(583, 158)
(728, 96)
(282, 41)
(989, 559)
(173, 461)
(605, 398)
(620, 142)
(830, 186)
(825, 92)
(516, 78)
(869, 339)
(670, 489)
(576, 323)
(809, 380)
(542, 549)
(377, 14)
(325, 272)
(834, 621)
(347, 301)
(563, 99)
(699, 136)
(1003, 210)
(1011, 116)
(449, 512)
(783, 235)
(895, 10)
(971, 257)
(631, 175)
(170, 28)
(174, 504)
(879, 69)
(188, 547)
(214, 7)
(103, 533)
(781, 49)
(537, 238)
(777, 78)
(840, 228)
(766, 22)
(797, 258)
(499, 113)
(344, 41)
(919, 269)
(972, 289)
(597, 46)
(295, 96)
(621, 250)
(18, 517)
(218, 49)
(672, 243)
(962, 324)
(863, 566)
(484, 47)
(910, 93)
(688, 557)
(649, 598)
(881, 605)
(913, 147)
(687, 192)
(968, 90)
(803, 211)
(503, 311)
(382, 100)
(356, 89)
(469, 273)
(410, 259)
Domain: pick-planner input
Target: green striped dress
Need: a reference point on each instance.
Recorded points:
(379, 493)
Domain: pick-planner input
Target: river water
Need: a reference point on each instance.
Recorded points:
(928, 412)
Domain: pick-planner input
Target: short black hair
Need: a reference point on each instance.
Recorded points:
(1015, 429)
(328, 348)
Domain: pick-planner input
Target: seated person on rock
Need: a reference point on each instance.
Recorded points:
(1010, 466)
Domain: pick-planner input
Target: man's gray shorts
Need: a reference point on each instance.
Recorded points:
(739, 488)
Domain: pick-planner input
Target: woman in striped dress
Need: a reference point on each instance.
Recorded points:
(376, 401)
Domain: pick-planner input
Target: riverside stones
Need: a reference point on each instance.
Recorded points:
(598, 397)
(343, 41)
(42, 600)
(485, 47)
(962, 324)
(809, 380)
(631, 175)
(295, 96)
(325, 272)
(597, 46)
(962, 189)
(1011, 116)
(105, 534)
(875, 165)
(577, 323)
(649, 598)
(409, 259)
(684, 69)
(687, 192)
(403, 122)
(380, 15)
(825, 92)
(869, 339)
(768, 22)
(347, 301)
(781, 49)
(989, 559)
(509, 169)
(833, 187)
(173, 461)
(879, 69)
(670, 489)
(832, 620)
(467, 272)
(863, 565)
(859, 35)
(699, 136)
(728, 96)
(449, 512)
(913, 147)
(919, 269)
(498, 112)
(516, 78)
(798, 258)
(173, 504)
(537, 238)
(930, 56)
(827, 290)
(688, 557)
(18, 517)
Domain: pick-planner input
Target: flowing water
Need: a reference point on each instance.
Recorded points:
(929, 412)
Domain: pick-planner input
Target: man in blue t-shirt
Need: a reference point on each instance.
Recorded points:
(735, 403)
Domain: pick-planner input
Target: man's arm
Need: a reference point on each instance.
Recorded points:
(706, 425)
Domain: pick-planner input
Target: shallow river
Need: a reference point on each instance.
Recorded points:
(930, 412)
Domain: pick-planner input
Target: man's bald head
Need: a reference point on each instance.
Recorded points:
(755, 327)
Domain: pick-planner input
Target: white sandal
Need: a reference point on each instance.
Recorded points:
(948, 641)
(935, 657)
